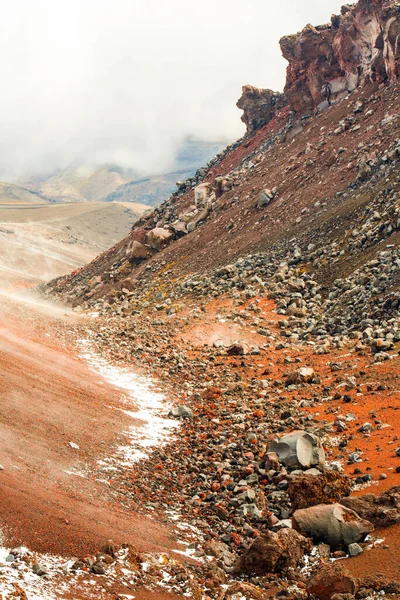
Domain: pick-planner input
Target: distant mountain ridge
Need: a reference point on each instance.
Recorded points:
(112, 183)
(149, 190)
(11, 193)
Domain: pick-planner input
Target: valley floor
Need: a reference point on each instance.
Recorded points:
(39, 242)
(187, 351)
(63, 501)
(55, 497)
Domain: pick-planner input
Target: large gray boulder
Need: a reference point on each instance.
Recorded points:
(332, 524)
(299, 449)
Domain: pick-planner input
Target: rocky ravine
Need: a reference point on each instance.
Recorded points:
(264, 295)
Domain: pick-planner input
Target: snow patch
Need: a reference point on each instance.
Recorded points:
(147, 407)
(18, 571)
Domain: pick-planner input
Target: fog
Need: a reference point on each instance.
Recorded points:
(88, 82)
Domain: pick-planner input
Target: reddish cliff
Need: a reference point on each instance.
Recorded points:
(360, 45)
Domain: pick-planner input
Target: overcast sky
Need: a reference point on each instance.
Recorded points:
(124, 81)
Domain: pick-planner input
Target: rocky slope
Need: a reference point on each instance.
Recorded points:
(264, 296)
(300, 191)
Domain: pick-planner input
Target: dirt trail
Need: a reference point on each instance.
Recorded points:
(50, 398)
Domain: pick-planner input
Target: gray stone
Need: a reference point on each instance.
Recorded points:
(298, 449)
(332, 524)
(39, 570)
(265, 198)
(355, 549)
(182, 412)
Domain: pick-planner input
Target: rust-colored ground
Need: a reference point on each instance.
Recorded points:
(376, 399)
(49, 398)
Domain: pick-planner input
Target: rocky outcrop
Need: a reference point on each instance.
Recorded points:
(359, 46)
(307, 490)
(382, 511)
(273, 553)
(259, 106)
(332, 579)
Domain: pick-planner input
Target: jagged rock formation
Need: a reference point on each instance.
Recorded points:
(259, 106)
(359, 46)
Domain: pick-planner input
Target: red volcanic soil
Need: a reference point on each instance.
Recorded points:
(375, 399)
(49, 398)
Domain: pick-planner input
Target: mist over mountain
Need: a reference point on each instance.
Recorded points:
(154, 189)
(87, 85)
(115, 183)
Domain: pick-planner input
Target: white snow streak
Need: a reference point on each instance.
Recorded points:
(146, 406)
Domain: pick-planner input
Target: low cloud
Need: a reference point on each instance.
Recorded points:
(88, 82)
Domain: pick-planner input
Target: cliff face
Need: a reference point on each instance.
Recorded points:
(259, 106)
(358, 46)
